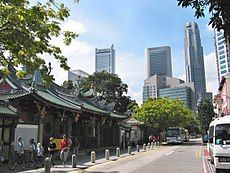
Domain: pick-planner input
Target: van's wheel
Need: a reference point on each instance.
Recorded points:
(217, 170)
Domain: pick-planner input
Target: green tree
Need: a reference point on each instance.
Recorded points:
(25, 34)
(68, 84)
(205, 115)
(220, 12)
(161, 113)
(110, 89)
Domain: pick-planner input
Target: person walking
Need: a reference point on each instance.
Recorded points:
(31, 152)
(76, 146)
(52, 148)
(64, 150)
(20, 152)
(40, 152)
(69, 144)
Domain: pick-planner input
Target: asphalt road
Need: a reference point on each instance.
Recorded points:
(186, 158)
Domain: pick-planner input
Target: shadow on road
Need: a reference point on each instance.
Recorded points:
(190, 143)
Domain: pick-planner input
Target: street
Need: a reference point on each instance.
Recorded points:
(185, 158)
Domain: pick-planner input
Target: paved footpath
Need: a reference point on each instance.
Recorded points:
(83, 162)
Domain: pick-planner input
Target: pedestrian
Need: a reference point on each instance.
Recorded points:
(31, 152)
(69, 144)
(40, 152)
(150, 138)
(20, 152)
(1, 154)
(64, 150)
(52, 148)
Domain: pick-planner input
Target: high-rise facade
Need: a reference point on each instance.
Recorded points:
(183, 93)
(76, 76)
(194, 59)
(222, 55)
(105, 60)
(158, 61)
(156, 82)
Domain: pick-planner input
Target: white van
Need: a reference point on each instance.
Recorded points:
(219, 143)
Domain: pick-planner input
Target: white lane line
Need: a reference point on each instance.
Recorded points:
(169, 153)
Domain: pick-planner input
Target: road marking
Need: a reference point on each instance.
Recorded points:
(169, 153)
(198, 153)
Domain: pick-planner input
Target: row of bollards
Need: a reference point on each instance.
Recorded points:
(93, 155)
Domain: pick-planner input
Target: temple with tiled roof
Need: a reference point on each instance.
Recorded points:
(56, 111)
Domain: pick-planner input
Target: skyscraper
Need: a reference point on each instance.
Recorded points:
(105, 60)
(158, 61)
(222, 55)
(194, 59)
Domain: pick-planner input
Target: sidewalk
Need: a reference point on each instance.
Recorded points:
(83, 162)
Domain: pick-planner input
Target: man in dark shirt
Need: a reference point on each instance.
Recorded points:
(52, 148)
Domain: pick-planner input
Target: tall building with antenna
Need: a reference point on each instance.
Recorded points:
(194, 59)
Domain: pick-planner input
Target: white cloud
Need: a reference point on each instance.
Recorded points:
(131, 70)
(80, 56)
(74, 26)
(211, 73)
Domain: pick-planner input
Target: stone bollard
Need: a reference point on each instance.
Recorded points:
(152, 145)
(74, 161)
(118, 153)
(93, 157)
(47, 165)
(106, 154)
(144, 147)
(138, 149)
(148, 145)
(129, 150)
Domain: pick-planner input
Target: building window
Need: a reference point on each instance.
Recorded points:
(222, 67)
(220, 43)
(219, 38)
(222, 57)
(224, 71)
(222, 62)
(221, 52)
(219, 33)
(221, 47)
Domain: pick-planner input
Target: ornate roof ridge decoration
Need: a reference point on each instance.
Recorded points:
(6, 109)
(55, 99)
(13, 94)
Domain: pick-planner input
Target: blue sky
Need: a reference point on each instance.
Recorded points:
(132, 26)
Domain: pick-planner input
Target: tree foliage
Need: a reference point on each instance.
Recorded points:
(161, 113)
(220, 10)
(205, 115)
(68, 84)
(110, 89)
(26, 31)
